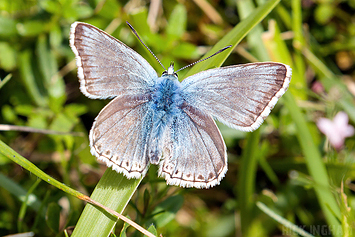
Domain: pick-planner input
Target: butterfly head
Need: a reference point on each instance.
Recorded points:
(170, 71)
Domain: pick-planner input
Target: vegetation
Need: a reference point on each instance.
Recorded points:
(286, 178)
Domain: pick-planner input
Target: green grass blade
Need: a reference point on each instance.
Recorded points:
(24, 206)
(292, 227)
(246, 180)
(245, 8)
(249, 158)
(9, 153)
(113, 191)
(5, 80)
(314, 162)
(299, 63)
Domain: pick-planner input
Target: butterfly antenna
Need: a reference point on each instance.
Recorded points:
(135, 32)
(201, 60)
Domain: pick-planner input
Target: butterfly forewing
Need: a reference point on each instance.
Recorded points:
(106, 66)
(240, 96)
(195, 154)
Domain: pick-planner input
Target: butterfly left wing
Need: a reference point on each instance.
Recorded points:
(239, 96)
(107, 67)
(194, 152)
(120, 134)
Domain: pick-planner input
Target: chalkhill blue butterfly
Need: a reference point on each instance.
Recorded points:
(161, 121)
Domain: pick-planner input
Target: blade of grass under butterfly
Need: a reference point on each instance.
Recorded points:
(233, 38)
(113, 191)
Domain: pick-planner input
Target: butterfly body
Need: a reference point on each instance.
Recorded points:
(161, 121)
(165, 105)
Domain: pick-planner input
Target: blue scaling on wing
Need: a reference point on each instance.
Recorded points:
(107, 67)
(194, 151)
(240, 96)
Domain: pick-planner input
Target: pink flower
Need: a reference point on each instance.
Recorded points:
(317, 87)
(336, 130)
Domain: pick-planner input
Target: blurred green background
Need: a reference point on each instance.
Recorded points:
(279, 166)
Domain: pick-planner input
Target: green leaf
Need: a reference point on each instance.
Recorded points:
(7, 56)
(152, 230)
(48, 67)
(124, 229)
(185, 51)
(167, 210)
(51, 6)
(177, 21)
(146, 200)
(18, 191)
(76, 11)
(83, 11)
(75, 110)
(29, 79)
(31, 28)
(139, 22)
(324, 12)
(37, 121)
(55, 37)
(7, 27)
(53, 216)
(110, 10)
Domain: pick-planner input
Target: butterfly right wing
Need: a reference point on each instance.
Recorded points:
(107, 67)
(194, 151)
(120, 135)
(240, 96)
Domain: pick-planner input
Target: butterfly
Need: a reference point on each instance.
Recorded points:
(158, 120)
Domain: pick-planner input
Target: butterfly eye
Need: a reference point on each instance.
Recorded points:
(165, 73)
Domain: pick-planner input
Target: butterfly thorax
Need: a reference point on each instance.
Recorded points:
(166, 94)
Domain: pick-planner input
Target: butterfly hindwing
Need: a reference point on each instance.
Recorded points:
(107, 67)
(119, 136)
(240, 96)
(195, 153)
